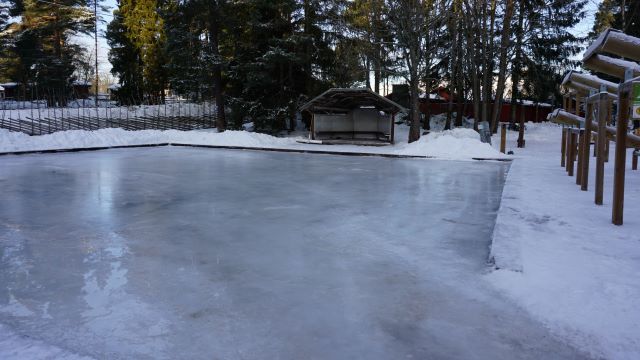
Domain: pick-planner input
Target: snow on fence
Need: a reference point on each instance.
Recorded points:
(37, 118)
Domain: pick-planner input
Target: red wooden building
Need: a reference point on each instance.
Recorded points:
(439, 103)
(532, 112)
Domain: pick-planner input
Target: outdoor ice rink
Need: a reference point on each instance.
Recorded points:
(220, 254)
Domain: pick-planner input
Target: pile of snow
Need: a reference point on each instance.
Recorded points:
(452, 144)
(14, 141)
(459, 144)
(558, 254)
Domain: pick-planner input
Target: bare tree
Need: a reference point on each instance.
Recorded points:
(412, 21)
(214, 33)
(503, 60)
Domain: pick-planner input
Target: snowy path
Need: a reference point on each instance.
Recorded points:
(191, 253)
(559, 255)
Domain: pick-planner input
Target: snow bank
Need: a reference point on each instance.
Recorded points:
(560, 257)
(459, 144)
(452, 144)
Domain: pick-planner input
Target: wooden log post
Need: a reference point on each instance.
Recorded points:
(579, 155)
(586, 145)
(634, 159)
(503, 138)
(563, 147)
(603, 114)
(621, 152)
(572, 149)
(568, 150)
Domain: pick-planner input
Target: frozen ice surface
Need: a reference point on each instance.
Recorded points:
(197, 253)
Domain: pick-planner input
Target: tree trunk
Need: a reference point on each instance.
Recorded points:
(502, 68)
(515, 72)
(414, 130)
(214, 32)
(427, 116)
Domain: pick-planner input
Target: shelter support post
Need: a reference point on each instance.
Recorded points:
(563, 147)
(586, 147)
(602, 141)
(580, 156)
(393, 127)
(572, 150)
(621, 153)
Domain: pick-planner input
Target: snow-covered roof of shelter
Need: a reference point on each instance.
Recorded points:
(345, 99)
(81, 83)
(9, 84)
(114, 87)
(1, 88)
(615, 42)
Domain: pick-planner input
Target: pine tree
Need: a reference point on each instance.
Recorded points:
(617, 14)
(41, 49)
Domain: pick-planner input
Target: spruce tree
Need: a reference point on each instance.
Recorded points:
(125, 60)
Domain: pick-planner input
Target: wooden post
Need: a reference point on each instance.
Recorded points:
(572, 149)
(393, 128)
(503, 138)
(563, 147)
(634, 160)
(577, 109)
(621, 153)
(603, 113)
(569, 155)
(564, 102)
(579, 154)
(586, 144)
(521, 128)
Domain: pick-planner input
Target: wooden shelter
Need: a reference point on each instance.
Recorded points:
(347, 116)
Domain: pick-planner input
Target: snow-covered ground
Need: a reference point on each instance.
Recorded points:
(558, 254)
(457, 144)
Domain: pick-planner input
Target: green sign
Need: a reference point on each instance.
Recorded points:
(635, 101)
